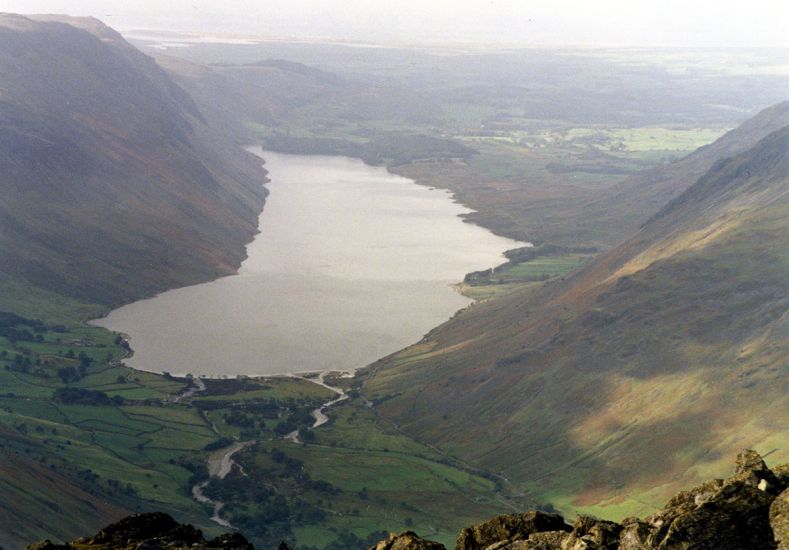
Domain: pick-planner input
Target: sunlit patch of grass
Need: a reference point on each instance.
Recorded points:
(488, 292)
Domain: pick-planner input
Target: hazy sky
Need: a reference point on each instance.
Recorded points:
(525, 22)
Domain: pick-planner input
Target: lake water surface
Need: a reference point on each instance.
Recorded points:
(351, 263)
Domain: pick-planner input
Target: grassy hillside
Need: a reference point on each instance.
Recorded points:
(665, 355)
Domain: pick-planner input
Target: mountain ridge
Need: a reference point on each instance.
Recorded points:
(110, 169)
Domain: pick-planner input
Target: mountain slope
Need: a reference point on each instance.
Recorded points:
(636, 199)
(113, 185)
(638, 373)
(35, 493)
(321, 109)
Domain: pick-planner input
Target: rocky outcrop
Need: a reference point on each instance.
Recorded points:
(731, 513)
(407, 541)
(504, 529)
(593, 534)
(155, 531)
(748, 511)
(779, 520)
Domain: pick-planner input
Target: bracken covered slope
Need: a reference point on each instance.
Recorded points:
(611, 389)
(34, 495)
(113, 186)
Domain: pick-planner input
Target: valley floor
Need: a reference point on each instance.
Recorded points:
(130, 440)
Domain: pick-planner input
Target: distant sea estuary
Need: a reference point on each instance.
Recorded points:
(351, 263)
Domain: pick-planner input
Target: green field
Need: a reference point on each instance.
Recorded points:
(356, 477)
(68, 403)
(634, 139)
(124, 449)
(525, 267)
(539, 269)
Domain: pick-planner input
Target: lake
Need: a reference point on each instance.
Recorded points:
(351, 263)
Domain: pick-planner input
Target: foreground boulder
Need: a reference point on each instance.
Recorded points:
(407, 541)
(779, 520)
(592, 534)
(508, 529)
(153, 531)
(717, 515)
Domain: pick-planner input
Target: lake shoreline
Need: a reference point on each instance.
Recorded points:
(376, 294)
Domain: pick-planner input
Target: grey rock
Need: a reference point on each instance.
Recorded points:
(779, 520)
(593, 534)
(751, 468)
(407, 541)
(510, 527)
(634, 535)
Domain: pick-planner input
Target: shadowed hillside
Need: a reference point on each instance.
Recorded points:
(608, 390)
(114, 187)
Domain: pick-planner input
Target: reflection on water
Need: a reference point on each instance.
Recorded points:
(351, 263)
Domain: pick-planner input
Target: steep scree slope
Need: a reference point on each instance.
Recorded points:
(113, 186)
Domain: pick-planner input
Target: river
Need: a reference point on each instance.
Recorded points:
(351, 263)
(220, 464)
